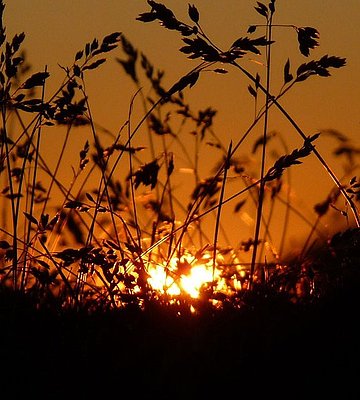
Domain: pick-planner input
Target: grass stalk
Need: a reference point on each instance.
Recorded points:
(218, 213)
(33, 186)
(259, 210)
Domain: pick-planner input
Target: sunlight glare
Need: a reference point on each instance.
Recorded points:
(162, 282)
(169, 280)
(198, 276)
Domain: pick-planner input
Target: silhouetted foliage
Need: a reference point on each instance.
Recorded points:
(308, 39)
(96, 248)
(291, 159)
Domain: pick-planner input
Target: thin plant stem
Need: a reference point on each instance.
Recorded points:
(263, 155)
(218, 213)
(32, 196)
(12, 195)
(132, 188)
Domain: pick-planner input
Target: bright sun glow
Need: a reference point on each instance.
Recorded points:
(193, 275)
(190, 284)
(199, 275)
(171, 281)
(161, 281)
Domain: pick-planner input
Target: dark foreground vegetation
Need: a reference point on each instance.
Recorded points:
(270, 346)
(261, 344)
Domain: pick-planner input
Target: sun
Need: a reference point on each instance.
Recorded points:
(189, 275)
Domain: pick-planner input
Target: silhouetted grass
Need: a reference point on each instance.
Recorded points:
(78, 312)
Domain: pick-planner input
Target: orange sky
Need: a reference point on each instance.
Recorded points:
(55, 31)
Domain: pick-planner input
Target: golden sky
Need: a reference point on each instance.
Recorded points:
(56, 30)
